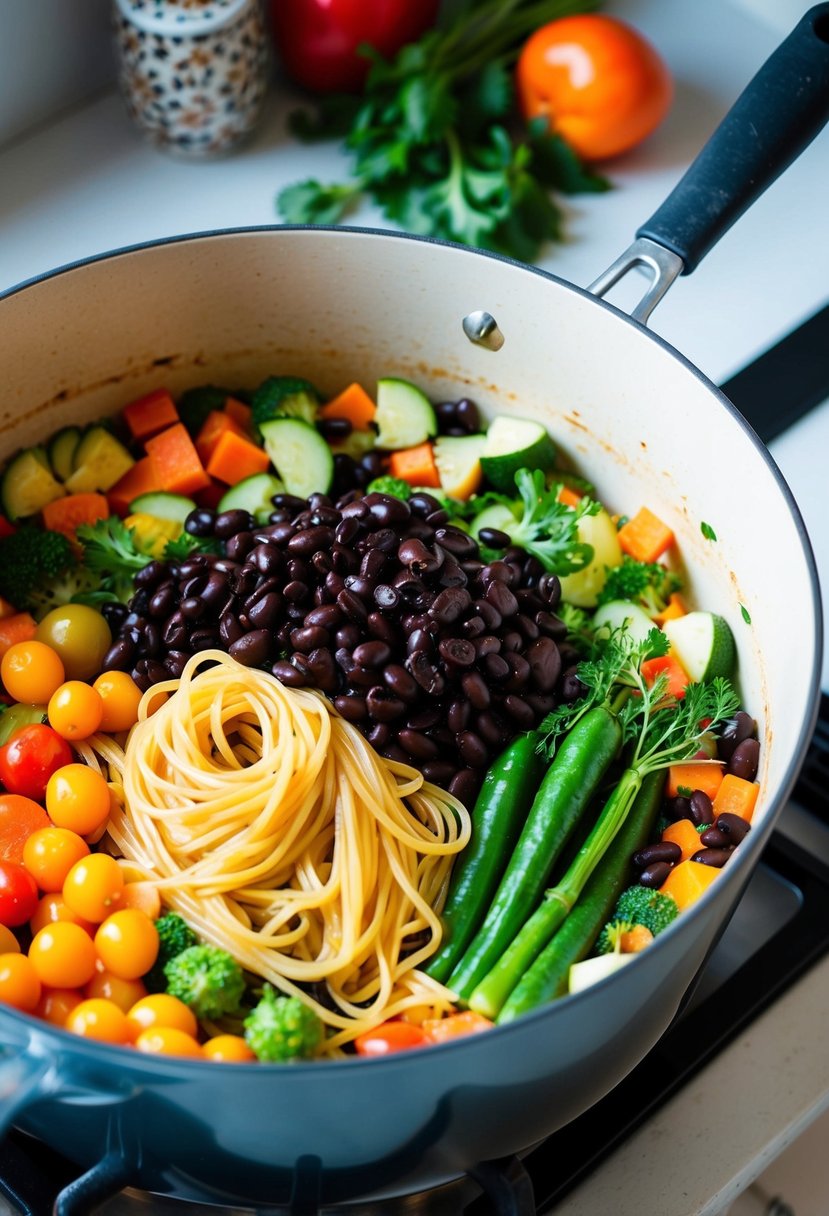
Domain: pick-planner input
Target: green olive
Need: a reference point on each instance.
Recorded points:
(81, 637)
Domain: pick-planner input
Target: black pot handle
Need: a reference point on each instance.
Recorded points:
(774, 119)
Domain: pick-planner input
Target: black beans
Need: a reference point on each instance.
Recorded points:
(662, 850)
(745, 760)
(715, 838)
(712, 857)
(654, 875)
(734, 731)
(733, 826)
(252, 649)
(701, 809)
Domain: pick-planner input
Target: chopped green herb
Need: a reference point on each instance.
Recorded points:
(684, 791)
(745, 614)
(707, 531)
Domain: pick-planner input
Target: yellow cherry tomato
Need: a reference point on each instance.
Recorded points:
(75, 710)
(161, 1009)
(94, 886)
(56, 1004)
(63, 955)
(99, 1019)
(228, 1049)
(20, 985)
(77, 798)
(31, 671)
(8, 942)
(121, 697)
(168, 1041)
(123, 993)
(127, 943)
(50, 854)
(53, 907)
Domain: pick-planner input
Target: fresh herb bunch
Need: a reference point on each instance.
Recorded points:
(433, 138)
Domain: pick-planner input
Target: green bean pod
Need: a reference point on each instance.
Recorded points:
(499, 814)
(571, 781)
(547, 978)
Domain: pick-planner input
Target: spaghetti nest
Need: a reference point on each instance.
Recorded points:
(271, 825)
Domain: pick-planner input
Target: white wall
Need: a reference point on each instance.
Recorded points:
(52, 53)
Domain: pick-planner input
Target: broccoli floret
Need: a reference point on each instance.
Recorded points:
(110, 553)
(207, 979)
(637, 906)
(281, 1028)
(39, 570)
(649, 584)
(196, 403)
(174, 936)
(579, 628)
(284, 397)
(390, 485)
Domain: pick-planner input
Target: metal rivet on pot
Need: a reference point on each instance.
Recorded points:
(482, 329)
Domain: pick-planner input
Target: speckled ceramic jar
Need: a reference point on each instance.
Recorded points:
(193, 72)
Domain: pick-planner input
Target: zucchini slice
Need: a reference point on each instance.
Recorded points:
(28, 484)
(513, 444)
(300, 455)
(252, 494)
(404, 417)
(100, 460)
(458, 461)
(163, 505)
(62, 448)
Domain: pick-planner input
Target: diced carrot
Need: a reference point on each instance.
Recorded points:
(214, 426)
(18, 628)
(645, 537)
(569, 497)
(354, 404)
(678, 678)
(674, 609)
(634, 940)
(415, 465)
(19, 818)
(142, 478)
(685, 835)
(151, 414)
(177, 462)
(455, 1026)
(687, 881)
(239, 412)
(7, 608)
(67, 513)
(706, 776)
(235, 458)
(737, 796)
(6, 528)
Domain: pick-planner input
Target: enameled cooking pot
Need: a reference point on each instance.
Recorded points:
(647, 427)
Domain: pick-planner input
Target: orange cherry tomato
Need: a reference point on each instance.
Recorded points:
(50, 854)
(123, 993)
(75, 710)
(8, 942)
(390, 1037)
(168, 1041)
(63, 955)
(56, 1004)
(19, 818)
(20, 985)
(127, 943)
(600, 84)
(53, 907)
(99, 1019)
(121, 697)
(228, 1049)
(456, 1025)
(93, 887)
(77, 798)
(31, 671)
(161, 1009)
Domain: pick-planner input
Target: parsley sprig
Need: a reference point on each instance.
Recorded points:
(433, 138)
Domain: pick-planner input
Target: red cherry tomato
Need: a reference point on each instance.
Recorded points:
(599, 83)
(390, 1037)
(18, 895)
(30, 757)
(317, 40)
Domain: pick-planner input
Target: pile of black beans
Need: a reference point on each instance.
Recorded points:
(437, 656)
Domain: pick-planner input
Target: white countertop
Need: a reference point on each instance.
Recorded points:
(87, 183)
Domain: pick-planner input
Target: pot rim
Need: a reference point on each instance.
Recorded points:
(737, 871)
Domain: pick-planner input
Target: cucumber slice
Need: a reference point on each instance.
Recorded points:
(28, 484)
(583, 587)
(703, 643)
(458, 460)
(100, 461)
(62, 448)
(616, 614)
(499, 516)
(513, 444)
(18, 715)
(162, 505)
(591, 970)
(252, 494)
(404, 417)
(300, 455)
